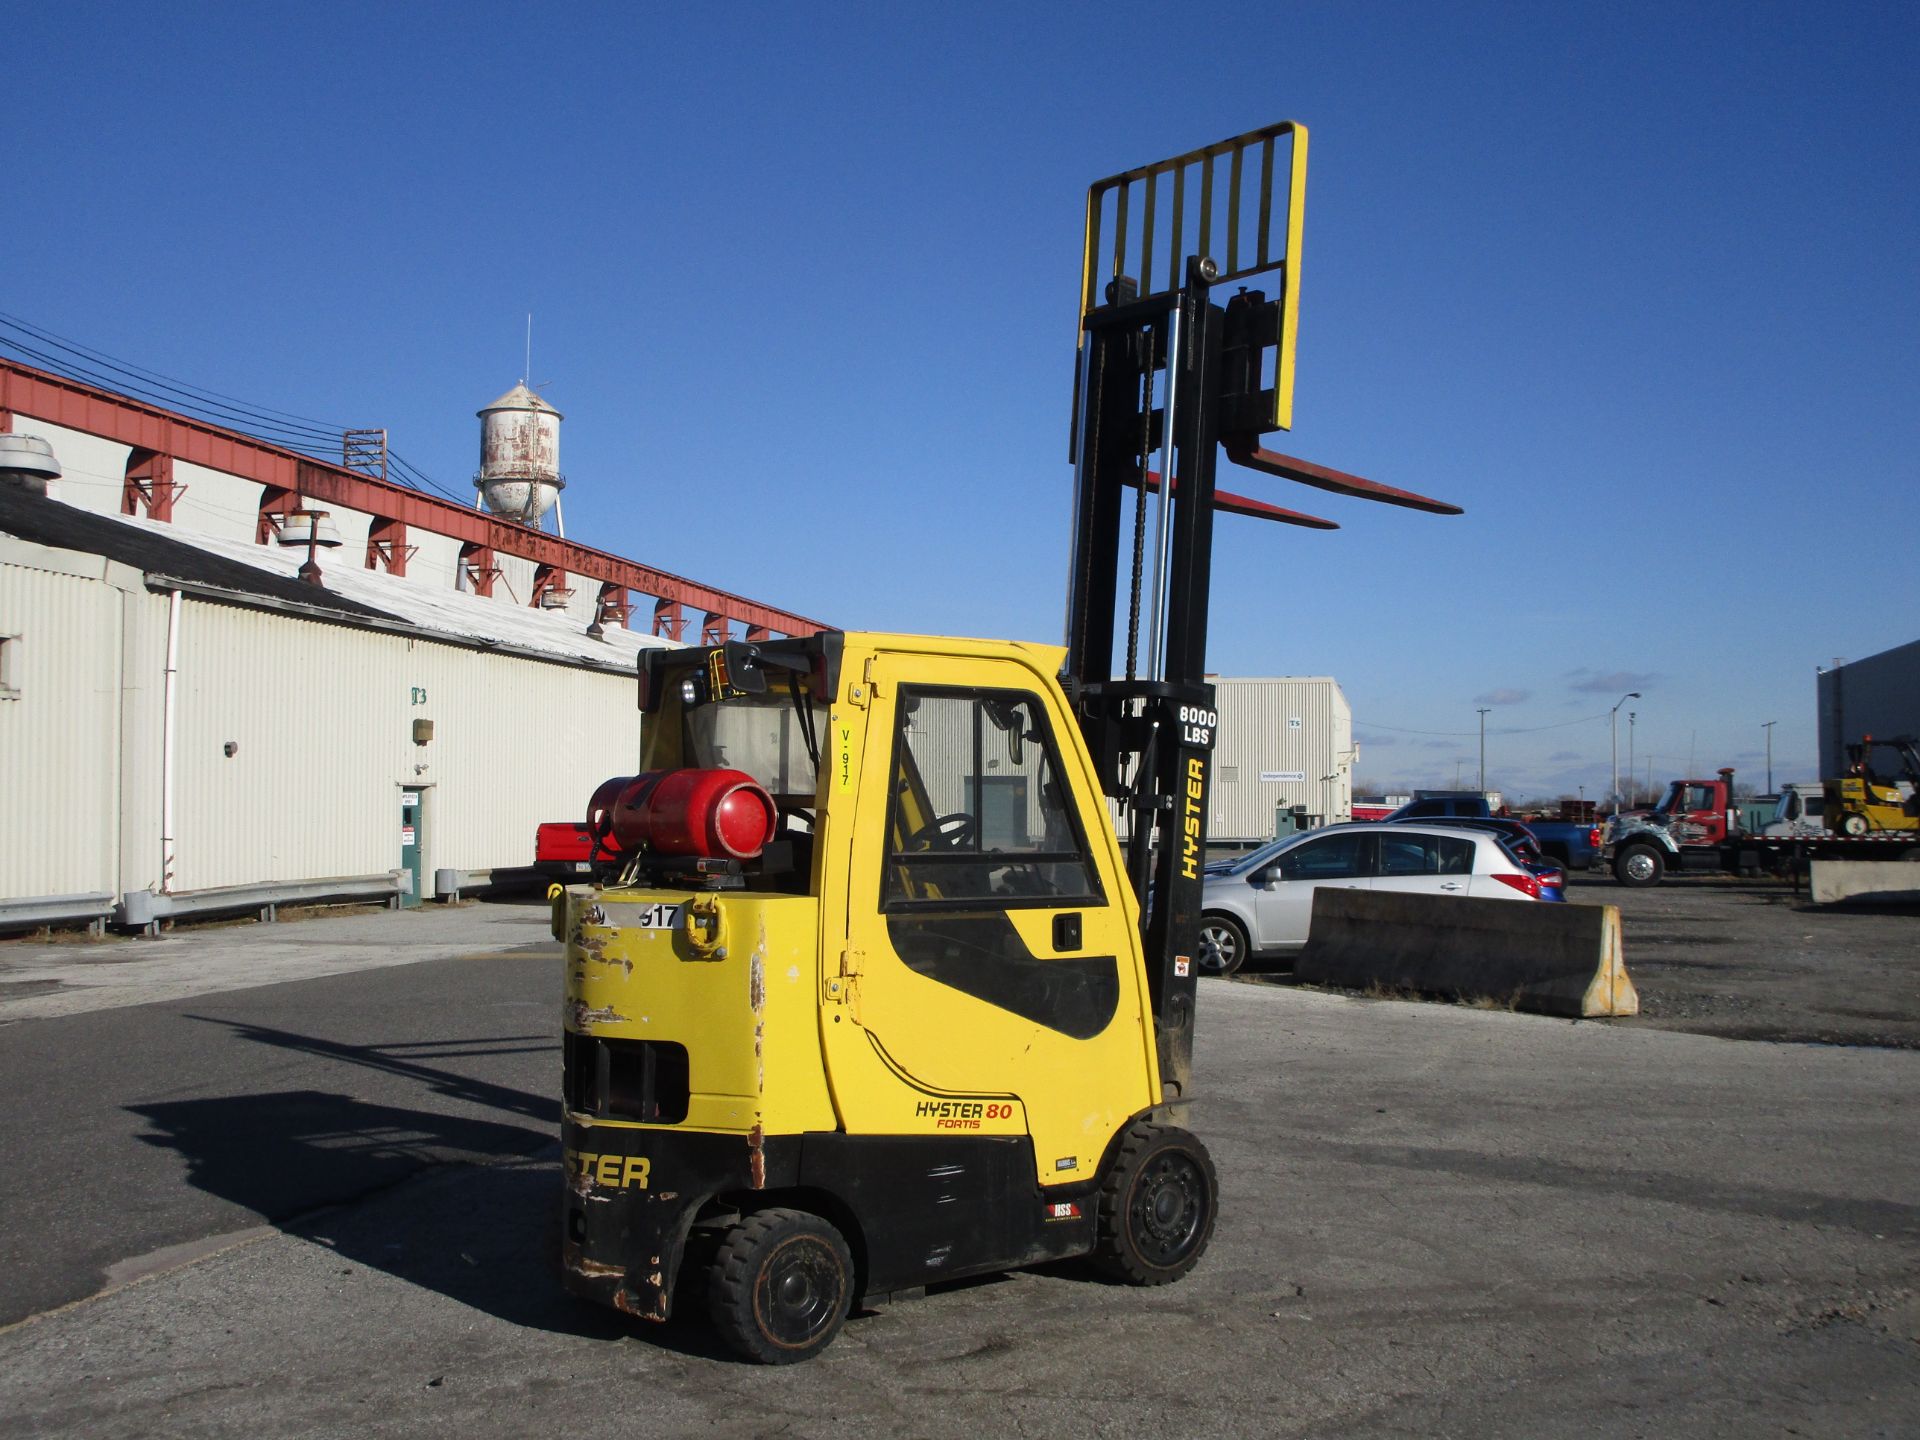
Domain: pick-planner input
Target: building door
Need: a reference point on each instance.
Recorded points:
(413, 847)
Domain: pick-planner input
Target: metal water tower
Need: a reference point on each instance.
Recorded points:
(519, 476)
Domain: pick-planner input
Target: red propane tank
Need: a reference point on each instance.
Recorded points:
(716, 814)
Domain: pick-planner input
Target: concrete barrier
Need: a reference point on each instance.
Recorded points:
(1865, 882)
(1551, 959)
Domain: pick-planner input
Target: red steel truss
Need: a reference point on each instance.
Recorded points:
(159, 438)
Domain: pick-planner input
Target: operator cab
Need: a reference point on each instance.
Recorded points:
(730, 767)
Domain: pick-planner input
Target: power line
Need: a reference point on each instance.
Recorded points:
(257, 425)
(1469, 734)
(126, 367)
(278, 427)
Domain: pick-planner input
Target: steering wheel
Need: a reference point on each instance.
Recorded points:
(944, 832)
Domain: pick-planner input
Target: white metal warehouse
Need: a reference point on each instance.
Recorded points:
(1286, 744)
(186, 725)
(234, 673)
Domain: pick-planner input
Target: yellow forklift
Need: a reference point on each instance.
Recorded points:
(879, 998)
(1862, 802)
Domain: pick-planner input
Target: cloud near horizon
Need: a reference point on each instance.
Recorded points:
(1503, 697)
(1612, 682)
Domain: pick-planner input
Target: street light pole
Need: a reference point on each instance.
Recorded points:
(1767, 725)
(1630, 728)
(1613, 723)
(1483, 750)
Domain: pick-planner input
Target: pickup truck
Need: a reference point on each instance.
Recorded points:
(1573, 844)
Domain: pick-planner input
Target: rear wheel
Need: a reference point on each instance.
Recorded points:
(1639, 865)
(780, 1286)
(1853, 823)
(1223, 945)
(1157, 1206)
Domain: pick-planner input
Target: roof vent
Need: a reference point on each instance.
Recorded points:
(27, 461)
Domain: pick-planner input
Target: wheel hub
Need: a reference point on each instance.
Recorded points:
(801, 1290)
(1169, 1208)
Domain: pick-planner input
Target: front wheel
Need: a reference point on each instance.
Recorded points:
(1852, 822)
(780, 1286)
(1157, 1206)
(1639, 865)
(1223, 945)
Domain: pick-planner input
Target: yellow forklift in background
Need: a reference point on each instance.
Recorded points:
(880, 998)
(1862, 803)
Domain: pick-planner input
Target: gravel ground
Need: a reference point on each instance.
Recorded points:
(1753, 960)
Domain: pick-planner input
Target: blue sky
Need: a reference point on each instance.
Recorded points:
(1634, 284)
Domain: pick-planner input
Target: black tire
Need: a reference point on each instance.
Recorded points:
(780, 1286)
(1852, 822)
(1158, 1200)
(1223, 945)
(1639, 865)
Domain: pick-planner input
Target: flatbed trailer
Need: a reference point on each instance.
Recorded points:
(1696, 830)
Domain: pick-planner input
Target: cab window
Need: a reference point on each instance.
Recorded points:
(977, 813)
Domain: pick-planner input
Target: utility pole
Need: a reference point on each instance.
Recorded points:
(1483, 750)
(1630, 750)
(1613, 724)
(1767, 725)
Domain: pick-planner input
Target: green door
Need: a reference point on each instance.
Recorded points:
(413, 846)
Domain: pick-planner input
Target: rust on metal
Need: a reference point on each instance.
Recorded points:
(1246, 450)
(1232, 504)
(61, 400)
(603, 1015)
(757, 1157)
(627, 1303)
(593, 1270)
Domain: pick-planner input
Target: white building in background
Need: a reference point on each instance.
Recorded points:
(186, 726)
(1286, 745)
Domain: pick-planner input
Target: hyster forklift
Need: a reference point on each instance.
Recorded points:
(1862, 802)
(879, 999)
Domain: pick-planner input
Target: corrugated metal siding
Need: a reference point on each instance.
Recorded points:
(143, 662)
(59, 735)
(321, 717)
(1256, 736)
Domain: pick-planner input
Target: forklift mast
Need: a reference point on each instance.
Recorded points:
(1167, 375)
(1904, 747)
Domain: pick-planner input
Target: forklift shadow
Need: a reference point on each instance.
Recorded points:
(462, 1206)
(467, 1208)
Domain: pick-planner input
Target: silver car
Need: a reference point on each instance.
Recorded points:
(1262, 903)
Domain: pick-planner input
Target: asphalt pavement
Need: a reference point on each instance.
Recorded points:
(1436, 1220)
